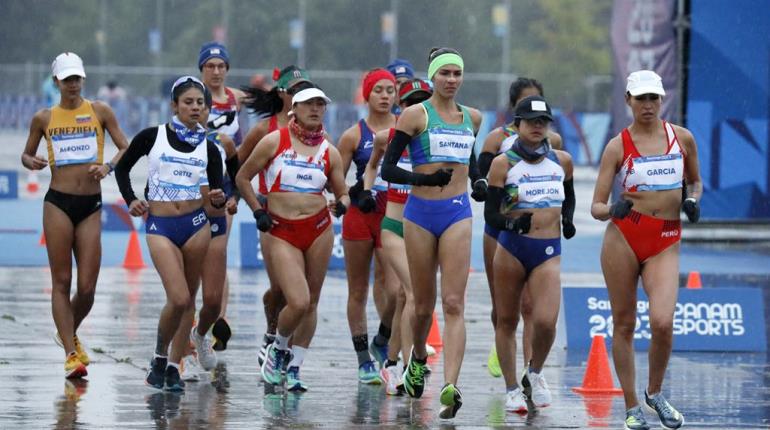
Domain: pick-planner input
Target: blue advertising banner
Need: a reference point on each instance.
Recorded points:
(712, 319)
(9, 184)
(251, 253)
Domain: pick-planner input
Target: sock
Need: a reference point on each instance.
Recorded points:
(390, 363)
(174, 365)
(361, 345)
(297, 356)
(533, 370)
(281, 342)
(511, 388)
(383, 336)
(651, 396)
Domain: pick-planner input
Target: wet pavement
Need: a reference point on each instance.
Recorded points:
(713, 390)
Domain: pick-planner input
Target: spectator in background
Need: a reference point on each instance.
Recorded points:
(50, 92)
(111, 93)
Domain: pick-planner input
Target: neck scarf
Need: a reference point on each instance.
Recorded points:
(193, 137)
(309, 138)
(531, 154)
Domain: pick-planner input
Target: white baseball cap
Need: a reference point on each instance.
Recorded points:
(68, 64)
(645, 82)
(310, 93)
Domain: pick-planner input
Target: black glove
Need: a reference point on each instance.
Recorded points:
(366, 201)
(480, 190)
(521, 224)
(222, 120)
(691, 209)
(264, 222)
(439, 178)
(355, 190)
(567, 228)
(339, 209)
(621, 208)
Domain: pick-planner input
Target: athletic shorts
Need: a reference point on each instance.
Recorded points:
(648, 236)
(76, 207)
(357, 225)
(393, 225)
(529, 251)
(178, 229)
(301, 233)
(437, 216)
(218, 225)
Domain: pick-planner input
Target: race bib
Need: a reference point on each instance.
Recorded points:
(76, 148)
(545, 191)
(450, 145)
(658, 172)
(180, 173)
(302, 177)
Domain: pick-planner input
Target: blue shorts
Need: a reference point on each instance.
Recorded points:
(530, 252)
(437, 216)
(491, 231)
(218, 225)
(178, 229)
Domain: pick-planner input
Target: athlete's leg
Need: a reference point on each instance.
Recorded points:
(509, 278)
(88, 256)
(288, 264)
(60, 237)
(316, 265)
(213, 280)
(621, 272)
(545, 309)
(489, 247)
(527, 329)
(226, 282)
(358, 259)
(421, 253)
(395, 251)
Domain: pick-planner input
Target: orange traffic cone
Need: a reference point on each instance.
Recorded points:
(42, 239)
(434, 336)
(598, 377)
(133, 258)
(32, 182)
(693, 280)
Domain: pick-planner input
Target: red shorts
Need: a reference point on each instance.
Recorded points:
(648, 236)
(357, 225)
(301, 233)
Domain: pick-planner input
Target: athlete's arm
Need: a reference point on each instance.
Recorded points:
(490, 149)
(337, 179)
(496, 194)
(215, 175)
(554, 139)
(611, 159)
(252, 137)
(380, 143)
(692, 166)
(110, 123)
(139, 147)
(29, 157)
(347, 147)
(568, 206)
(410, 123)
(257, 161)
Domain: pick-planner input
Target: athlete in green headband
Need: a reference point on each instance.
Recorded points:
(443, 57)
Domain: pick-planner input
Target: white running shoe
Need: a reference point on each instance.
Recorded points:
(541, 394)
(206, 355)
(392, 378)
(516, 401)
(190, 369)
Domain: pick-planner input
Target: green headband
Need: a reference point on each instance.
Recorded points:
(443, 60)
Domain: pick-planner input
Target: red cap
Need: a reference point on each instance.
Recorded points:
(372, 78)
(411, 87)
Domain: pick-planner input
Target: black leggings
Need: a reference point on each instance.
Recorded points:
(75, 206)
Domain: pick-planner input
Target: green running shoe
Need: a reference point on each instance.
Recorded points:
(493, 364)
(414, 377)
(451, 399)
(635, 419)
(368, 374)
(293, 383)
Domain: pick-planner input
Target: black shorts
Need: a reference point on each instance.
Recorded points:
(75, 206)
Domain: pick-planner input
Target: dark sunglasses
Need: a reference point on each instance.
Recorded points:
(647, 98)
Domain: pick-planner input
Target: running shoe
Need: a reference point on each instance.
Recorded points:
(157, 373)
(451, 399)
(222, 333)
(367, 374)
(379, 353)
(293, 383)
(669, 417)
(635, 419)
(82, 355)
(392, 379)
(541, 394)
(275, 362)
(516, 401)
(266, 341)
(173, 380)
(414, 378)
(493, 364)
(190, 369)
(73, 367)
(206, 355)
(526, 387)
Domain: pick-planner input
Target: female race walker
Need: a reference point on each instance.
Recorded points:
(530, 192)
(297, 162)
(177, 228)
(410, 93)
(440, 135)
(499, 141)
(275, 106)
(648, 162)
(72, 222)
(361, 230)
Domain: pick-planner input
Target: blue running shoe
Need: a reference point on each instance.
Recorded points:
(156, 376)
(379, 353)
(174, 381)
(275, 362)
(293, 383)
(368, 374)
(669, 417)
(635, 419)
